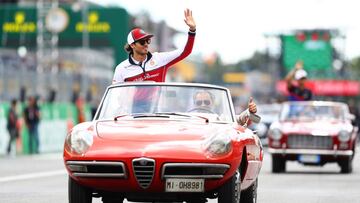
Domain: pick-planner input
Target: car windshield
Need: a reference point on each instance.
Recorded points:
(167, 99)
(312, 111)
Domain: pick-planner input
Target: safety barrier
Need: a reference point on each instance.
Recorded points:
(56, 120)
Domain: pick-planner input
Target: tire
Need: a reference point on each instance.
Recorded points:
(346, 165)
(78, 193)
(230, 191)
(278, 164)
(250, 195)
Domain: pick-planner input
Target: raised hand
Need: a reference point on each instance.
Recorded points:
(299, 65)
(189, 20)
(252, 106)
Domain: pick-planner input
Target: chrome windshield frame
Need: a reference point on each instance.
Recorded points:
(173, 84)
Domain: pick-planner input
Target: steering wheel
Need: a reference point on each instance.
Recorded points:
(201, 110)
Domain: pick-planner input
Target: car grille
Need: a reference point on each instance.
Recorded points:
(144, 169)
(309, 142)
(97, 169)
(194, 170)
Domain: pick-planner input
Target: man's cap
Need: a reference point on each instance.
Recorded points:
(299, 74)
(136, 35)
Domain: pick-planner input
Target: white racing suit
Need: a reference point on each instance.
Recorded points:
(155, 66)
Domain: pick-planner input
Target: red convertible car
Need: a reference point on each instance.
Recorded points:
(163, 142)
(313, 133)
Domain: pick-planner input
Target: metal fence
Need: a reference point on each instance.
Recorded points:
(82, 72)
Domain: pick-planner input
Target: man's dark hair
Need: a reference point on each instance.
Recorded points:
(128, 48)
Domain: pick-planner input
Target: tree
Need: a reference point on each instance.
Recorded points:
(355, 67)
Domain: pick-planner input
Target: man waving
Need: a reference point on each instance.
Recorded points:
(142, 65)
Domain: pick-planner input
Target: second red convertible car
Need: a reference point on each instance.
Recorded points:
(313, 133)
(163, 142)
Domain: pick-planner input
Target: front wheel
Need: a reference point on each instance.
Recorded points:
(278, 164)
(78, 193)
(250, 195)
(230, 191)
(346, 165)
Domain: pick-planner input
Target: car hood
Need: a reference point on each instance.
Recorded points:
(155, 130)
(313, 127)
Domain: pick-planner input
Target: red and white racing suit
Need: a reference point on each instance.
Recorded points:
(155, 66)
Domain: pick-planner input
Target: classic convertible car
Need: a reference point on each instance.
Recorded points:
(313, 133)
(163, 142)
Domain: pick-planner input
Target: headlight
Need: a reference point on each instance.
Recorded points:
(220, 142)
(275, 134)
(344, 136)
(219, 147)
(80, 141)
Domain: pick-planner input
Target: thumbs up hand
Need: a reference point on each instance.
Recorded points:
(252, 106)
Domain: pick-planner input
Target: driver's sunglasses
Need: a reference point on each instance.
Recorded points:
(205, 102)
(143, 41)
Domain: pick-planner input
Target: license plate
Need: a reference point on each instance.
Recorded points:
(184, 185)
(309, 158)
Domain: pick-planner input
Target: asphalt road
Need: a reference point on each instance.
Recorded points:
(42, 179)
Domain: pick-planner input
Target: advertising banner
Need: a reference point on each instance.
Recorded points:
(56, 120)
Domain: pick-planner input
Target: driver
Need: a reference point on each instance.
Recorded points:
(204, 103)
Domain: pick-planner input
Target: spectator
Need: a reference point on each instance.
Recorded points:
(296, 80)
(32, 119)
(355, 111)
(80, 105)
(12, 119)
(93, 108)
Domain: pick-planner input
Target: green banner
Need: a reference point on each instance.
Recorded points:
(103, 27)
(315, 53)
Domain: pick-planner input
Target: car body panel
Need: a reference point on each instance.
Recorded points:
(119, 143)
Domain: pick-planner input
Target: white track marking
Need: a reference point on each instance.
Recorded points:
(32, 176)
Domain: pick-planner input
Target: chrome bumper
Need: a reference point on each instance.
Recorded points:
(311, 151)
